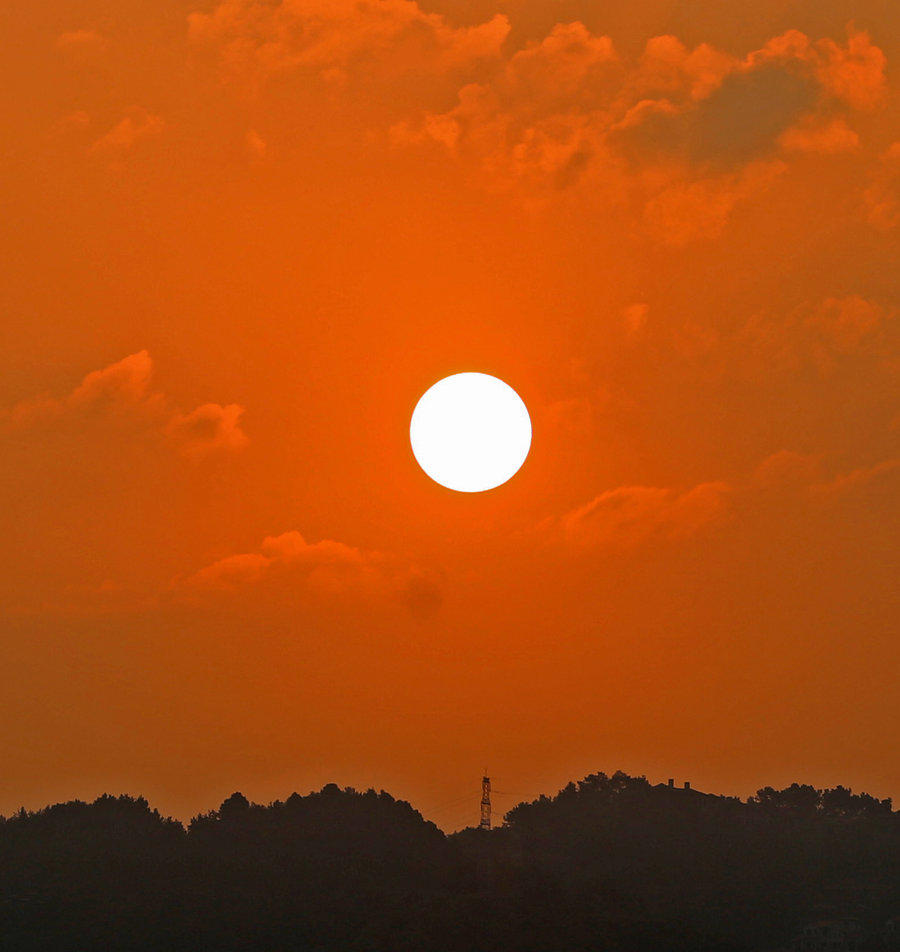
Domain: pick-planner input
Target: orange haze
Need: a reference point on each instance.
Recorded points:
(241, 237)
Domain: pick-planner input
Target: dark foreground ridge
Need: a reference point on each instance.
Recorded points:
(610, 863)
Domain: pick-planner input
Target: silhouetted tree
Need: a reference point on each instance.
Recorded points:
(798, 800)
(608, 864)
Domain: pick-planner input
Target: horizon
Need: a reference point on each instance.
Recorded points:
(433, 815)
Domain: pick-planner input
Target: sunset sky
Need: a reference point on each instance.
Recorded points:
(240, 238)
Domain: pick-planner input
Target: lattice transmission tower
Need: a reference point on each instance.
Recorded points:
(485, 802)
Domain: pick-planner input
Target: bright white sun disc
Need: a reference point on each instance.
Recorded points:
(470, 432)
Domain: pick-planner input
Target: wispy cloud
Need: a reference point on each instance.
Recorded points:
(121, 393)
(126, 134)
(631, 515)
(882, 197)
(326, 568)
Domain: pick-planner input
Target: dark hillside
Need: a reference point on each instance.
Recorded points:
(610, 863)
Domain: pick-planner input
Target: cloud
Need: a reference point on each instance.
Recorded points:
(826, 138)
(844, 323)
(846, 483)
(787, 468)
(570, 417)
(737, 122)
(327, 568)
(790, 472)
(209, 429)
(81, 42)
(127, 133)
(119, 390)
(631, 515)
(692, 208)
(232, 572)
(257, 40)
(125, 382)
(257, 147)
(855, 75)
(569, 67)
(635, 317)
(121, 394)
(668, 68)
(684, 135)
(782, 97)
(882, 198)
(823, 334)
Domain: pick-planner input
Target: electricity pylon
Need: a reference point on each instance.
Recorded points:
(485, 802)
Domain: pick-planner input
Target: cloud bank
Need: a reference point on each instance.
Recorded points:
(121, 394)
(327, 568)
(682, 135)
(257, 40)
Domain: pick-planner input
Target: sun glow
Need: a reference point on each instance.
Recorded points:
(470, 432)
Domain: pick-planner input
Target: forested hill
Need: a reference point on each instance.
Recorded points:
(610, 863)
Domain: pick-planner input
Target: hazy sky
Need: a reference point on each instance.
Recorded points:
(241, 238)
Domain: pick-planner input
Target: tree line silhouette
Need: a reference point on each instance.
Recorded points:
(609, 863)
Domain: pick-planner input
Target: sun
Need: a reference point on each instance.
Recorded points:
(470, 432)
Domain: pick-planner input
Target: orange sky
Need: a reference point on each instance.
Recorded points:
(241, 238)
